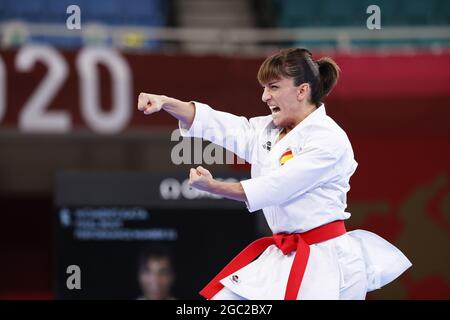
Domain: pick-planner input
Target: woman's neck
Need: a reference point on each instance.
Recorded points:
(303, 113)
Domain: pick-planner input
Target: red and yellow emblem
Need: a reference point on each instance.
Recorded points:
(287, 155)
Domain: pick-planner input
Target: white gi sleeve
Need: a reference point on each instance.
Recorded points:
(227, 130)
(306, 171)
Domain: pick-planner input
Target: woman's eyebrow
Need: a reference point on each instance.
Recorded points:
(269, 83)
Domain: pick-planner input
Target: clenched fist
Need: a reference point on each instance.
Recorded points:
(200, 178)
(150, 103)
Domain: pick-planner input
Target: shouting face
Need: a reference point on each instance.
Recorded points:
(284, 100)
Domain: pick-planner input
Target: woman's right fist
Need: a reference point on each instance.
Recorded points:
(150, 103)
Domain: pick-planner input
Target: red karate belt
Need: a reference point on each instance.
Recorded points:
(287, 243)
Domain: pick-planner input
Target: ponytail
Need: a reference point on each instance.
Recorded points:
(329, 75)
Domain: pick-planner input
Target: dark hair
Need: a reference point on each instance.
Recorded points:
(298, 64)
(155, 252)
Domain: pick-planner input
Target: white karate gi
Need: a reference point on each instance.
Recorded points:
(306, 192)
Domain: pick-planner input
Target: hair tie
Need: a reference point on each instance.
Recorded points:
(313, 66)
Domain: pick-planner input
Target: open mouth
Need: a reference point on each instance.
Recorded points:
(274, 109)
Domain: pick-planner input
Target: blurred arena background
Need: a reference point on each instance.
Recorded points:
(73, 146)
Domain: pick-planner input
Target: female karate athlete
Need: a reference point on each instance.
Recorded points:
(302, 162)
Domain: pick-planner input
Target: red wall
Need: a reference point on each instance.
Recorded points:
(402, 93)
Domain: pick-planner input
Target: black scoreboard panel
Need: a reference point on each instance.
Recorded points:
(104, 235)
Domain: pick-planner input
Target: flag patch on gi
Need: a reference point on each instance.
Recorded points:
(287, 155)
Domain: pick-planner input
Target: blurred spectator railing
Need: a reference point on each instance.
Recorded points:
(226, 41)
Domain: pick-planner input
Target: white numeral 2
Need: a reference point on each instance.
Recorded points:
(34, 116)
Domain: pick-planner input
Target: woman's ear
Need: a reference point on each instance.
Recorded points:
(303, 91)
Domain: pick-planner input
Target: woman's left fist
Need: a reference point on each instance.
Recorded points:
(200, 178)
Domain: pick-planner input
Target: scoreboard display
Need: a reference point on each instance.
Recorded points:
(106, 221)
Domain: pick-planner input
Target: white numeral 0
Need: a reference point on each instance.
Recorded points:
(34, 117)
(118, 118)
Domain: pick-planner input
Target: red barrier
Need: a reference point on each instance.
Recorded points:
(404, 93)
